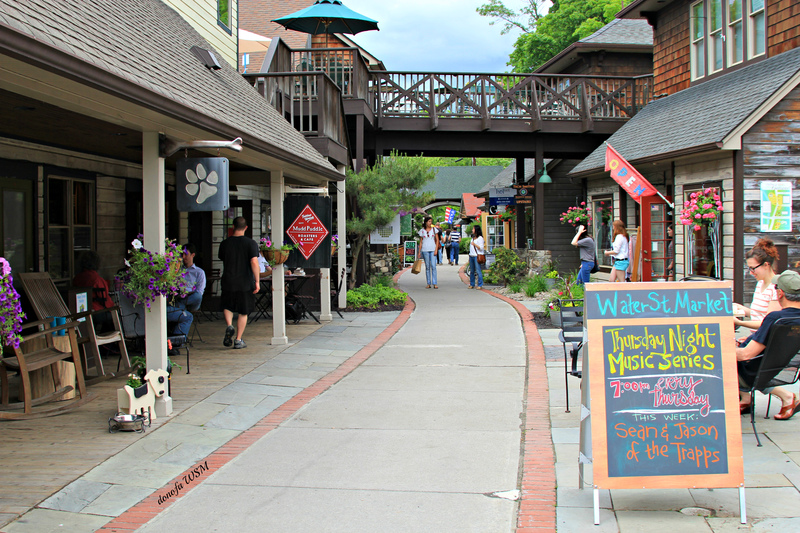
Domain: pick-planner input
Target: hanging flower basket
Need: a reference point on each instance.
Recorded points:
(702, 208)
(577, 216)
(276, 257)
(333, 249)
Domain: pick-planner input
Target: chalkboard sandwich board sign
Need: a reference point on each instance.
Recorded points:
(663, 383)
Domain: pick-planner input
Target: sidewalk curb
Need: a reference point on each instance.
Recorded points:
(537, 503)
(150, 507)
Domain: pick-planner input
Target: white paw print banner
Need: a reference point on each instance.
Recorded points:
(202, 184)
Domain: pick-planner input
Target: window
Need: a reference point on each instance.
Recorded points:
(725, 33)
(735, 32)
(602, 217)
(496, 233)
(716, 39)
(703, 247)
(70, 225)
(698, 56)
(224, 14)
(757, 28)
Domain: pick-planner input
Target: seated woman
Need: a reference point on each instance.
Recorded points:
(760, 262)
(101, 298)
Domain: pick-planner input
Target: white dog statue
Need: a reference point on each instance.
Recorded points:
(156, 381)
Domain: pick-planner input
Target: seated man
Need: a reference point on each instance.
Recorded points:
(195, 280)
(265, 270)
(788, 289)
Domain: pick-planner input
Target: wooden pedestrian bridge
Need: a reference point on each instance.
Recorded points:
(348, 111)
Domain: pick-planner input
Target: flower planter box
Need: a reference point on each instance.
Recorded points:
(276, 257)
(555, 318)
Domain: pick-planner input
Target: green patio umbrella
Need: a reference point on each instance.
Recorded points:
(327, 16)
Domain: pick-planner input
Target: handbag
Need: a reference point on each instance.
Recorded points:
(596, 268)
(416, 268)
(481, 259)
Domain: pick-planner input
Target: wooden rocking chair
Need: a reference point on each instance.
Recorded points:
(28, 359)
(47, 303)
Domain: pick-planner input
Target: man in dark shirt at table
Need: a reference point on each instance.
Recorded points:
(240, 281)
(788, 289)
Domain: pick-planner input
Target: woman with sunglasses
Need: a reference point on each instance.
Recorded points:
(760, 262)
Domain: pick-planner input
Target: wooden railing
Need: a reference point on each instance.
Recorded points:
(508, 96)
(311, 101)
(345, 66)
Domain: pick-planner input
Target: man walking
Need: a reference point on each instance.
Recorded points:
(455, 237)
(240, 281)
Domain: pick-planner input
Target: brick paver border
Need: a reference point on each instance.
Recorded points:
(537, 504)
(150, 507)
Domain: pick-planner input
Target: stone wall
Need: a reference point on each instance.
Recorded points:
(536, 259)
(379, 264)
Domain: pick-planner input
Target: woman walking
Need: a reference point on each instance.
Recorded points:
(586, 246)
(475, 249)
(429, 245)
(619, 250)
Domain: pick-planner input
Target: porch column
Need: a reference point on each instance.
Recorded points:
(155, 321)
(538, 212)
(276, 184)
(325, 289)
(522, 234)
(341, 224)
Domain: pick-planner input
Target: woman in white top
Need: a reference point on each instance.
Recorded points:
(429, 245)
(760, 262)
(476, 248)
(619, 250)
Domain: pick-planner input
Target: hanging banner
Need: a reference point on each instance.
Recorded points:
(776, 206)
(308, 225)
(627, 177)
(201, 184)
(388, 234)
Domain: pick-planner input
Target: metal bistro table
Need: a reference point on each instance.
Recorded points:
(295, 302)
(263, 300)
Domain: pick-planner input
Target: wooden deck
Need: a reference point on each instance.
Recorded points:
(40, 457)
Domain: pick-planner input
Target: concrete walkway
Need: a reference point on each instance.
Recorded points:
(417, 438)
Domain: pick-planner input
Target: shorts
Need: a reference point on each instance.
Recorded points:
(621, 264)
(242, 302)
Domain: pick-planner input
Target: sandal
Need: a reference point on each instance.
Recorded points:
(470, 287)
(427, 286)
(788, 411)
(435, 286)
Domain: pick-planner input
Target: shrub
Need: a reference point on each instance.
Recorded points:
(535, 285)
(515, 287)
(553, 274)
(507, 265)
(372, 297)
(382, 280)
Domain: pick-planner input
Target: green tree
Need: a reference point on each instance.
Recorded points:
(566, 22)
(378, 193)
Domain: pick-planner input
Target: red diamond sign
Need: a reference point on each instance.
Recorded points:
(307, 231)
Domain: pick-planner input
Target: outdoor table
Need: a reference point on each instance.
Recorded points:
(294, 284)
(264, 300)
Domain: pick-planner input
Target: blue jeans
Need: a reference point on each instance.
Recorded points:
(430, 267)
(475, 269)
(191, 302)
(182, 318)
(454, 254)
(585, 271)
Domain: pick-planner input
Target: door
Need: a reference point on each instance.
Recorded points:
(16, 224)
(656, 218)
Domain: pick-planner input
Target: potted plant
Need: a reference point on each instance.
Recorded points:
(11, 314)
(576, 216)
(275, 254)
(550, 279)
(150, 274)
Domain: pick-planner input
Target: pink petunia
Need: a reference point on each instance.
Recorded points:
(697, 215)
(696, 227)
(706, 206)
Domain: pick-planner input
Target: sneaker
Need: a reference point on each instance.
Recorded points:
(230, 331)
(239, 344)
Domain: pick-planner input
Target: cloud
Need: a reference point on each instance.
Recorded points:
(434, 35)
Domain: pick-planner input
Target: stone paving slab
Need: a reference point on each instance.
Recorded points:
(116, 500)
(660, 522)
(75, 496)
(48, 521)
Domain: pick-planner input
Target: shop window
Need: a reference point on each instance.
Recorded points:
(16, 224)
(702, 247)
(602, 218)
(496, 233)
(70, 225)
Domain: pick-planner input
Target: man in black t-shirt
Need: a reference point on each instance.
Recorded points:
(788, 288)
(240, 281)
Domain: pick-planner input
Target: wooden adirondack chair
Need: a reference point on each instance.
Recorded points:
(29, 358)
(47, 303)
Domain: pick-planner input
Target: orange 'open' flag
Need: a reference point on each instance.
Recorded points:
(627, 177)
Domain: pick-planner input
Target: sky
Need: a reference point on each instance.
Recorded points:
(435, 35)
